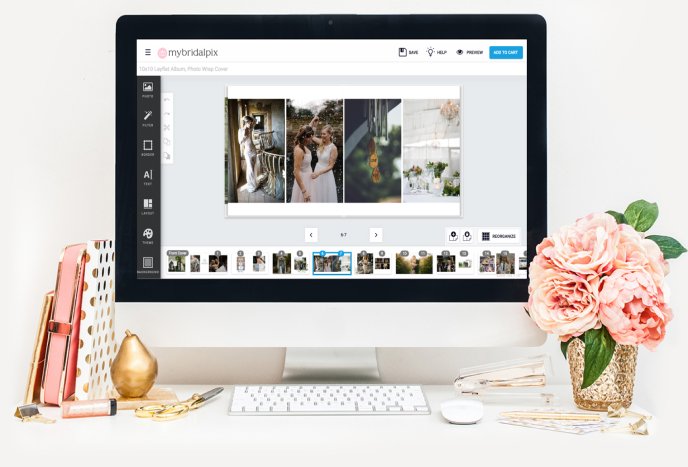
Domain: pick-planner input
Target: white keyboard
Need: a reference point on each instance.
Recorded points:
(329, 399)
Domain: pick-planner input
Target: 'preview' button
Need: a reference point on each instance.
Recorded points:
(506, 52)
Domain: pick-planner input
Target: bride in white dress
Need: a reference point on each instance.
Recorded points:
(302, 193)
(324, 188)
(250, 153)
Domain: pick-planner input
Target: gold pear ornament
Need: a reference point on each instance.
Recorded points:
(134, 369)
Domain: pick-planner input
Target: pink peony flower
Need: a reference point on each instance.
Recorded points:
(633, 307)
(562, 302)
(587, 247)
(636, 253)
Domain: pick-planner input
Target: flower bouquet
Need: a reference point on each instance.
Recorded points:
(436, 168)
(412, 175)
(599, 285)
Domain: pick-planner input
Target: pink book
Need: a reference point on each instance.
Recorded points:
(59, 372)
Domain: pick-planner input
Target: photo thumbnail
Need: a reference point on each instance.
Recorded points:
(383, 264)
(195, 263)
(364, 263)
(315, 168)
(506, 263)
(281, 263)
(487, 262)
(259, 263)
(255, 151)
(300, 265)
(432, 150)
(217, 263)
(446, 263)
(408, 263)
(326, 263)
(176, 260)
(372, 168)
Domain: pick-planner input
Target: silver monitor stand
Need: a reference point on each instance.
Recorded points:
(331, 365)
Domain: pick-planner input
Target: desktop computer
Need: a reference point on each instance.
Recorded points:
(342, 182)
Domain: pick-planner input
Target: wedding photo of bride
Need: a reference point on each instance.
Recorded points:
(255, 156)
(259, 263)
(446, 263)
(217, 263)
(281, 263)
(300, 265)
(413, 264)
(176, 263)
(364, 263)
(487, 262)
(505, 263)
(332, 264)
(314, 151)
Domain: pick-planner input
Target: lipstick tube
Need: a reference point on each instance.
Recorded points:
(94, 408)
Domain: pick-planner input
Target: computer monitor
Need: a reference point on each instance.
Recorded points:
(329, 181)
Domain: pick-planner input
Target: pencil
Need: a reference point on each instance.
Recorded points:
(552, 416)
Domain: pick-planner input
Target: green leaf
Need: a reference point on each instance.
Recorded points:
(599, 350)
(641, 215)
(671, 248)
(620, 219)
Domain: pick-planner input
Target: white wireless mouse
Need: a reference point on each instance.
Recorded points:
(462, 411)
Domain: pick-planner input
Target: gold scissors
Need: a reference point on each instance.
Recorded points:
(164, 412)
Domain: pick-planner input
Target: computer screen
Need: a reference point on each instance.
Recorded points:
(345, 158)
(348, 159)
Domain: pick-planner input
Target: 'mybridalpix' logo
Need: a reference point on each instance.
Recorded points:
(177, 53)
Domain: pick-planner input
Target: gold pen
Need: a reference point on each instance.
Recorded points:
(552, 416)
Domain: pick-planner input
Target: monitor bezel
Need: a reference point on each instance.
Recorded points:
(131, 28)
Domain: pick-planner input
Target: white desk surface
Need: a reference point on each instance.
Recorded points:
(209, 434)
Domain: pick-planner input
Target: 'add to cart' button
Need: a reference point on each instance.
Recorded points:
(506, 52)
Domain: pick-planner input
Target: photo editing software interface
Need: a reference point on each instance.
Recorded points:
(357, 159)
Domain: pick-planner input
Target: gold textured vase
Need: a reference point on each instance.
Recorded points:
(615, 384)
(134, 369)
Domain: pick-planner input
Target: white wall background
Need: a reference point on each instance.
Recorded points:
(617, 125)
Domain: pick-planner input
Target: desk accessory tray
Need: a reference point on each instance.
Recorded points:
(97, 342)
